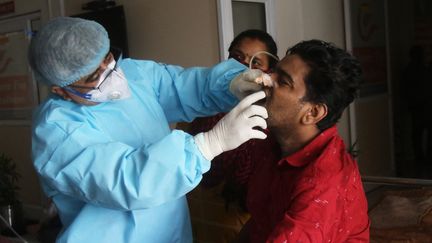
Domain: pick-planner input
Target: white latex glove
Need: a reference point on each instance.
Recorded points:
(248, 82)
(234, 128)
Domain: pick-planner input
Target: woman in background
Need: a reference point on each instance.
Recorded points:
(216, 218)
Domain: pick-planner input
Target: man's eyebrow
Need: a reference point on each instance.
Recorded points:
(286, 75)
(235, 51)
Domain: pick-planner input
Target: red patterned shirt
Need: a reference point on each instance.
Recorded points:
(313, 195)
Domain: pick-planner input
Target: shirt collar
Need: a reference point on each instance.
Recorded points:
(311, 151)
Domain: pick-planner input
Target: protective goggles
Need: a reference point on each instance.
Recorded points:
(108, 73)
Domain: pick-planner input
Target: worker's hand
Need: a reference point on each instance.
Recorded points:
(234, 128)
(248, 82)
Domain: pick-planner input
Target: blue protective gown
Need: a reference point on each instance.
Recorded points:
(115, 171)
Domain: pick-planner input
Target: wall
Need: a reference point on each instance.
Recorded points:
(298, 20)
(175, 32)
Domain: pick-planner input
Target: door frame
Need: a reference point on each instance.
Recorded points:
(225, 22)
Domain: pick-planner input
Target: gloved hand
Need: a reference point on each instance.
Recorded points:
(248, 82)
(234, 128)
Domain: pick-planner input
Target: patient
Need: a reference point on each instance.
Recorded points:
(312, 192)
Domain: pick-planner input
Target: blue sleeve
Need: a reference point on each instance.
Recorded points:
(77, 160)
(185, 94)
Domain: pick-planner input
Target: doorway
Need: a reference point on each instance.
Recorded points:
(410, 32)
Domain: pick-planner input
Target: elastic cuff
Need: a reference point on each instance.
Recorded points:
(203, 147)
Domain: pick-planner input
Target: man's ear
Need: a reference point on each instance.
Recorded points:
(60, 91)
(316, 113)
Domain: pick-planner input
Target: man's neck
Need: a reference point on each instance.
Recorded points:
(291, 141)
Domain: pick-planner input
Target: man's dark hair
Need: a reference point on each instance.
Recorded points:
(260, 35)
(333, 79)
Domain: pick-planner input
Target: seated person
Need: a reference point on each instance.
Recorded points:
(231, 169)
(312, 191)
(236, 165)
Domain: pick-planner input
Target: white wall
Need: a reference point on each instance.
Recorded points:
(298, 20)
(175, 32)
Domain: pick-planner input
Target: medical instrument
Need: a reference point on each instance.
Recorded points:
(265, 79)
(262, 52)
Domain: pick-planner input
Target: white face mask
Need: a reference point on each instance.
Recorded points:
(112, 86)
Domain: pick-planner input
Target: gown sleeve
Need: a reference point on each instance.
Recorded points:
(185, 94)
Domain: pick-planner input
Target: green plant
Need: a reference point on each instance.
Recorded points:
(8, 180)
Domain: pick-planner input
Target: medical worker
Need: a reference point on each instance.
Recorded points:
(101, 142)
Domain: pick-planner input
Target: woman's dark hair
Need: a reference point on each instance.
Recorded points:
(333, 79)
(260, 35)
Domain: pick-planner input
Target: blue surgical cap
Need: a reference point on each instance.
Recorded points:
(67, 49)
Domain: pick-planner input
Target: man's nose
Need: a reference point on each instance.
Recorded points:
(273, 77)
